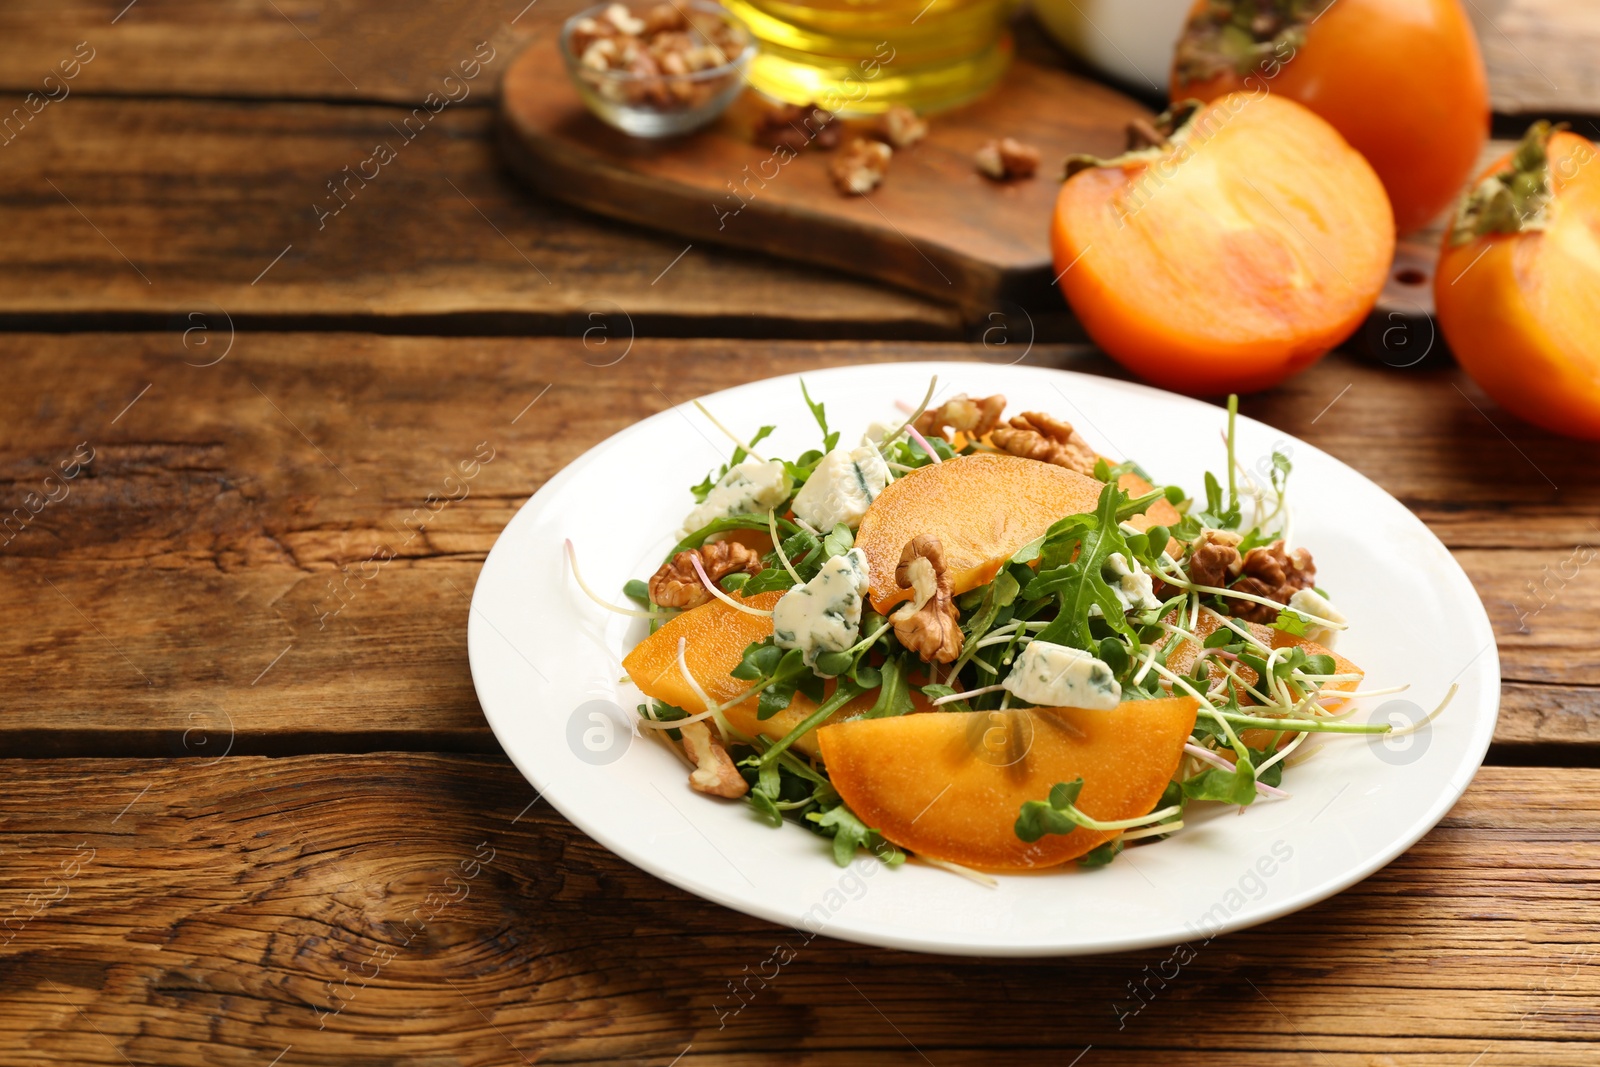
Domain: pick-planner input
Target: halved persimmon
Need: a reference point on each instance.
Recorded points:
(1518, 286)
(1404, 83)
(950, 786)
(1236, 250)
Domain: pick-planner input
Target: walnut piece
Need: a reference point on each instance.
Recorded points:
(1035, 435)
(1215, 560)
(1273, 573)
(964, 414)
(899, 127)
(1006, 159)
(860, 166)
(714, 772)
(676, 585)
(796, 126)
(929, 625)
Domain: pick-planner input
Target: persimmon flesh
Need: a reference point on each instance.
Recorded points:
(1402, 80)
(949, 786)
(1519, 303)
(716, 637)
(1231, 257)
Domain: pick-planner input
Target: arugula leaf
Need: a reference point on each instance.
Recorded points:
(739, 453)
(1070, 565)
(838, 541)
(894, 698)
(844, 692)
(703, 490)
(934, 692)
(732, 583)
(849, 833)
(818, 412)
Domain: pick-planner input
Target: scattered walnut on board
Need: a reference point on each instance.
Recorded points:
(929, 624)
(676, 585)
(1035, 435)
(796, 126)
(860, 166)
(1006, 159)
(899, 127)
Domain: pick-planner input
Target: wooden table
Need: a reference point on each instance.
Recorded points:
(239, 767)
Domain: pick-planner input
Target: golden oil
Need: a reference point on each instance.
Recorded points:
(861, 56)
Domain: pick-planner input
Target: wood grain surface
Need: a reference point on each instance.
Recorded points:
(1540, 53)
(211, 573)
(139, 213)
(935, 226)
(424, 909)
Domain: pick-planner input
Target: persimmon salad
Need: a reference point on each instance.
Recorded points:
(975, 640)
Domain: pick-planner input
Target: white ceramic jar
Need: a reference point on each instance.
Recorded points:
(1130, 40)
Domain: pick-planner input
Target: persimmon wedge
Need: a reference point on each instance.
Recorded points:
(1402, 80)
(1181, 662)
(981, 507)
(717, 636)
(1236, 251)
(950, 786)
(1518, 286)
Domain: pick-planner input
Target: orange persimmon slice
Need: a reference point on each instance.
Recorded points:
(950, 785)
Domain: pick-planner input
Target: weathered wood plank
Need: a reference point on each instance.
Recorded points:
(211, 577)
(150, 210)
(1539, 52)
(193, 912)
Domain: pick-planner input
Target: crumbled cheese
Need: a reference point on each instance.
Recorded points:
(823, 615)
(877, 431)
(752, 487)
(842, 487)
(1311, 602)
(1055, 676)
(1133, 586)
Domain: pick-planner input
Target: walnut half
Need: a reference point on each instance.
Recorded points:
(1035, 435)
(714, 772)
(1273, 573)
(929, 625)
(973, 417)
(676, 585)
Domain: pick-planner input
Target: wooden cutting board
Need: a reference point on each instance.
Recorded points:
(935, 225)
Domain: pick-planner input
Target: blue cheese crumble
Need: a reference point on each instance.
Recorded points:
(823, 615)
(843, 486)
(753, 487)
(1311, 602)
(1055, 676)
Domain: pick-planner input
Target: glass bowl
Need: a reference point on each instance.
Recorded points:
(662, 90)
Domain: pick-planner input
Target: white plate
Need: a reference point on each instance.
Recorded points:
(547, 665)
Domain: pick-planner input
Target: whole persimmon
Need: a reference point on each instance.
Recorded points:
(1240, 244)
(1402, 80)
(1518, 287)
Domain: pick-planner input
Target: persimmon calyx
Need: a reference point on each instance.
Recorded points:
(1243, 36)
(1513, 200)
(1148, 141)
